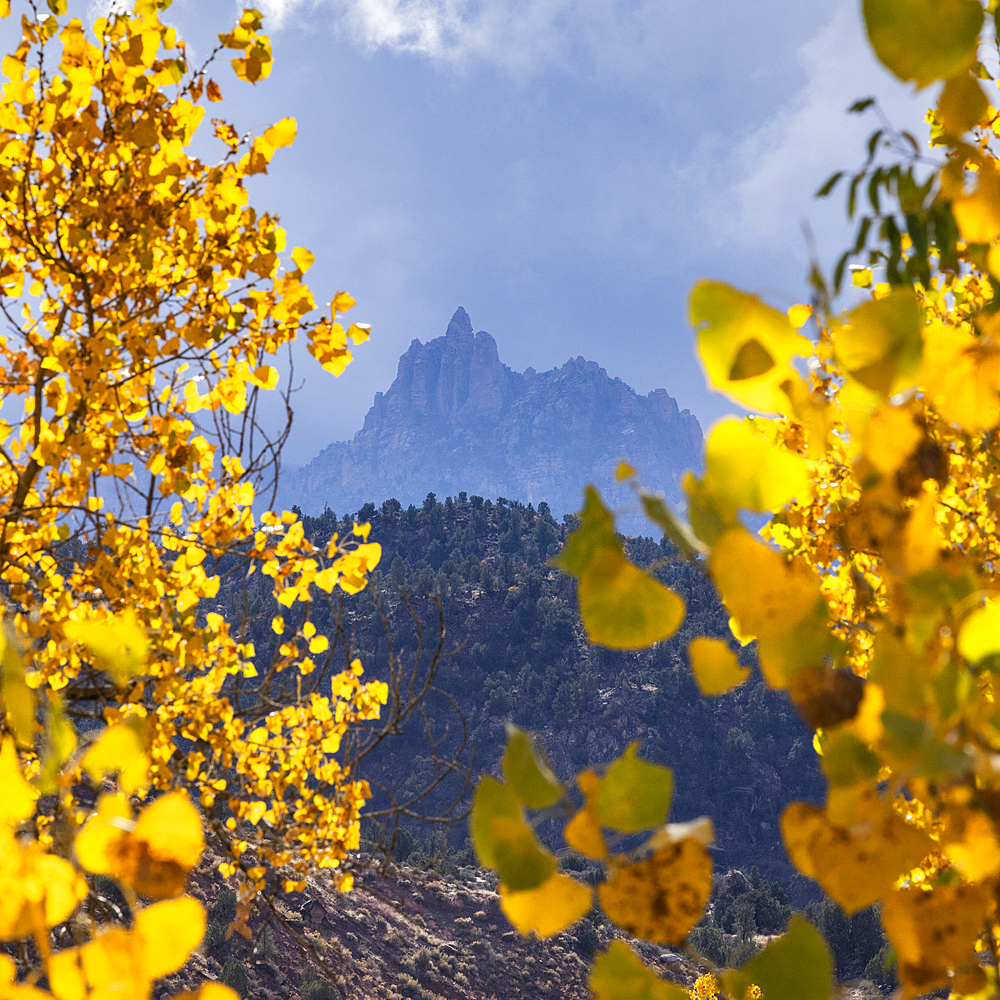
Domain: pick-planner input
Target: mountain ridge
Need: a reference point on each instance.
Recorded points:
(457, 417)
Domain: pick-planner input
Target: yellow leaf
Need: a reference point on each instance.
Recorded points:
(891, 438)
(961, 374)
(359, 332)
(715, 666)
(921, 538)
(17, 803)
(171, 827)
(662, 898)
(265, 377)
(279, 135)
(970, 843)
(799, 315)
(624, 471)
(624, 608)
(745, 346)
(923, 40)
(549, 908)
(978, 214)
(4, 8)
(855, 868)
(95, 843)
(118, 645)
(766, 595)
(962, 104)
(319, 645)
(979, 636)
(303, 259)
(167, 933)
(121, 748)
(935, 931)
(881, 345)
(583, 831)
(744, 469)
(341, 303)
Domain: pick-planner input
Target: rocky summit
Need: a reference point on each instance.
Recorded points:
(457, 419)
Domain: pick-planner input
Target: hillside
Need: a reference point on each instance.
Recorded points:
(456, 418)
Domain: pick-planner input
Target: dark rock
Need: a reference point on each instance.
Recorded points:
(457, 419)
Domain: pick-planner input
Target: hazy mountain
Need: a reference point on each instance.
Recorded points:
(457, 418)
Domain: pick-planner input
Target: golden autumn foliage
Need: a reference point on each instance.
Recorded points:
(872, 594)
(145, 303)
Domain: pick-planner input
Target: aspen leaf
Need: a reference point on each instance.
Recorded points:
(715, 666)
(532, 781)
(210, 991)
(745, 345)
(923, 40)
(303, 259)
(978, 213)
(121, 748)
(662, 898)
(797, 966)
(624, 471)
(934, 931)
(765, 594)
(744, 469)
(265, 377)
(914, 745)
(548, 908)
(8, 970)
(94, 843)
(970, 843)
(359, 332)
(961, 374)
(583, 831)
(891, 438)
(962, 103)
(855, 868)
(118, 645)
(623, 607)
(596, 531)
(171, 828)
(504, 841)
(810, 643)
(281, 134)
(167, 933)
(979, 636)
(341, 302)
(17, 803)
(634, 794)
(212, 91)
(4, 8)
(799, 315)
(921, 538)
(701, 829)
(619, 974)
(881, 345)
(17, 698)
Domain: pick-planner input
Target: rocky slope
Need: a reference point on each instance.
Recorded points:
(457, 418)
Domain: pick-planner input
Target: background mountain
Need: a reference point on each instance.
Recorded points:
(457, 418)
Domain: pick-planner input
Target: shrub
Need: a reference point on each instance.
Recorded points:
(234, 975)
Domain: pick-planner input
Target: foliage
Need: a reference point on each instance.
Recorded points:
(871, 595)
(145, 302)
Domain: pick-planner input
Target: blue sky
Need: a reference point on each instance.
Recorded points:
(563, 169)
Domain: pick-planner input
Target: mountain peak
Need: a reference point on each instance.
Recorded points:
(457, 419)
(460, 323)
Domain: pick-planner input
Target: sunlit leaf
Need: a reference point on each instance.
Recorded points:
(715, 666)
(121, 748)
(549, 908)
(119, 645)
(662, 898)
(17, 803)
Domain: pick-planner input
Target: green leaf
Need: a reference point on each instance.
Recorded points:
(795, 967)
(923, 40)
(596, 531)
(619, 974)
(623, 607)
(678, 532)
(60, 742)
(634, 794)
(535, 785)
(918, 748)
(504, 841)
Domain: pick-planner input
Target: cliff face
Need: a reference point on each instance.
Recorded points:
(456, 418)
